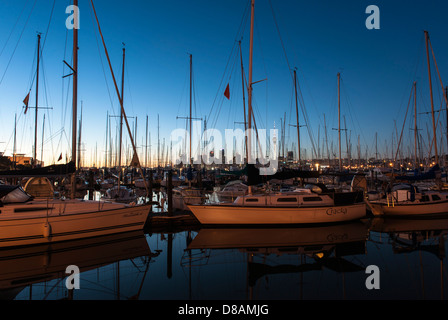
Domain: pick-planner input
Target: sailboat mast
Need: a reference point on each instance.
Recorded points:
(37, 102)
(107, 134)
(79, 139)
(432, 99)
(415, 125)
(146, 143)
(249, 125)
(347, 145)
(339, 121)
(42, 148)
(244, 97)
(191, 72)
(74, 101)
(297, 119)
(121, 112)
(326, 141)
(15, 143)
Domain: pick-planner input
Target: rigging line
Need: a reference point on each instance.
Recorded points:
(121, 100)
(46, 98)
(128, 86)
(305, 116)
(221, 82)
(17, 44)
(221, 99)
(281, 40)
(32, 71)
(13, 28)
(48, 26)
(350, 107)
(102, 67)
(182, 93)
(64, 109)
(44, 41)
(404, 122)
(241, 28)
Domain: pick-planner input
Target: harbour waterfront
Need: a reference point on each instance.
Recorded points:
(202, 212)
(300, 263)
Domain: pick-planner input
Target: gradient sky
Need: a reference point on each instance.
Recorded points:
(319, 38)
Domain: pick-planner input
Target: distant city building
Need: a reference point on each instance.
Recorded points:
(21, 159)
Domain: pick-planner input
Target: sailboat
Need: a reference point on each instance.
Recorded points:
(407, 200)
(299, 207)
(25, 220)
(185, 195)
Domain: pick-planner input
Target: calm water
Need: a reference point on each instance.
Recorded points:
(327, 262)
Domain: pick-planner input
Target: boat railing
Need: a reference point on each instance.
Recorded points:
(390, 200)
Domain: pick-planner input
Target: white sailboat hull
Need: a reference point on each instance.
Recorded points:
(411, 209)
(246, 215)
(40, 222)
(184, 196)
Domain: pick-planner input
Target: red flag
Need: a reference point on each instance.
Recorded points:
(26, 100)
(60, 157)
(227, 92)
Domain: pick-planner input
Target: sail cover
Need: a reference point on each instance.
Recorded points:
(13, 194)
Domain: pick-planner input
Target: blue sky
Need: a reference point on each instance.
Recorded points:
(320, 38)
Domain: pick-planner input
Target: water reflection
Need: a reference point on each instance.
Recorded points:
(413, 253)
(284, 254)
(316, 263)
(38, 272)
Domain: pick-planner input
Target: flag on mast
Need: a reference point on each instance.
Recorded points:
(26, 100)
(227, 92)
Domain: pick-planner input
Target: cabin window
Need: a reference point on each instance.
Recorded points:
(424, 198)
(292, 199)
(312, 199)
(252, 200)
(435, 197)
(31, 209)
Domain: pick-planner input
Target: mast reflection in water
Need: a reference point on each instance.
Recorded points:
(319, 262)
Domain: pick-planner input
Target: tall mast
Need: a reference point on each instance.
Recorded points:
(244, 96)
(107, 136)
(297, 118)
(326, 141)
(249, 125)
(121, 112)
(42, 148)
(191, 72)
(37, 102)
(347, 144)
(75, 99)
(79, 139)
(376, 146)
(14, 147)
(75, 89)
(432, 99)
(146, 143)
(415, 125)
(339, 121)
